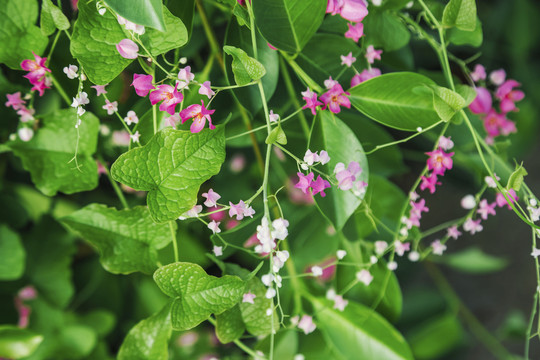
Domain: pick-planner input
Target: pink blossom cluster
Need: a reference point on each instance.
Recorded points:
(335, 97)
(365, 75)
(348, 178)
(353, 11)
(306, 182)
(37, 73)
(504, 92)
(18, 104)
(418, 206)
(438, 162)
(169, 97)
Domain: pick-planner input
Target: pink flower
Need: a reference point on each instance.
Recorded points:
(206, 90)
(173, 120)
(273, 117)
(26, 114)
(354, 10)
(439, 161)
(501, 200)
(372, 54)
(497, 77)
(27, 293)
(355, 32)
(334, 6)
(214, 226)
(473, 226)
(400, 247)
(486, 209)
(15, 101)
(37, 73)
(445, 143)
(366, 74)
(200, 115)
(340, 303)
(419, 207)
(111, 107)
(306, 324)
(211, 198)
(334, 98)
(100, 89)
(453, 232)
(429, 183)
(438, 247)
(508, 96)
(169, 96)
(311, 101)
(347, 177)
(271, 46)
(319, 185)
(348, 59)
(240, 210)
(216, 216)
(482, 102)
(185, 76)
(305, 181)
(128, 49)
(329, 83)
(142, 84)
(479, 73)
(248, 297)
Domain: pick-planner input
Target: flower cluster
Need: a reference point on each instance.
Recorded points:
(348, 178)
(335, 97)
(18, 104)
(495, 121)
(37, 73)
(351, 10)
(438, 162)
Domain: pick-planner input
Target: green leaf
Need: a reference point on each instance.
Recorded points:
(12, 254)
(277, 135)
(460, 37)
(184, 10)
(289, 24)
(244, 67)
(16, 343)
(149, 339)
(127, 240)
(360, 331)
(461, 14)
(436, 337)
(254, 315)
(48, 156)
(474, 261)
(229, 325)
(334, 136)
(386, 30)
(49, 252)
(52, 18)
(77, 340)
(172, 167)
(446, 102)
(516, 178)
(158, 42)
(141, 12)
(196, 294)
(398, 100)
(249, 96)
(18, 34)
(467, 93)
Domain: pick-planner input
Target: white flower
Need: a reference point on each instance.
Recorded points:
(131, 118)
(71, 71)
(25, 134)
(316, 271)
(341, 254)
(217, 250)
(364, 276)
(214, 226)
(280, 229)
(468, 202)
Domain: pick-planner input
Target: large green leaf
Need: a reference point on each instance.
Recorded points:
(149, 339)
(334, 136)
(184, 10)
(461, 14)
(474, 261)
(12, 254)
(289, 24)
(400, 100)
(384, 29)
(196, 294)
(244, 67)
(127, 240)
(16, 343)
(172, 167)
(254, 315)
(321, 56)
(94, 41)
(229, 325)
(49, 253)
(52, 18)
(19, 35)
(462, 37)
(141, 12)
(359, 332)
(240, 37)
(48, 156)
(436, 337)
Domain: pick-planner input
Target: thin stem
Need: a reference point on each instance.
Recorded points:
(210, 34)
(119, 117)
(59, 89)
(174, 241)
(290, 89)
(115, 186)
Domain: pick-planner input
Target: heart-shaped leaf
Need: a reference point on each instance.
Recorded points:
(172, 167)
(196, 294)
(244, 67)
(127, 240)
(461, 14)
(149, 339)
(141, 12)
(52, 18)
(48, 156)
